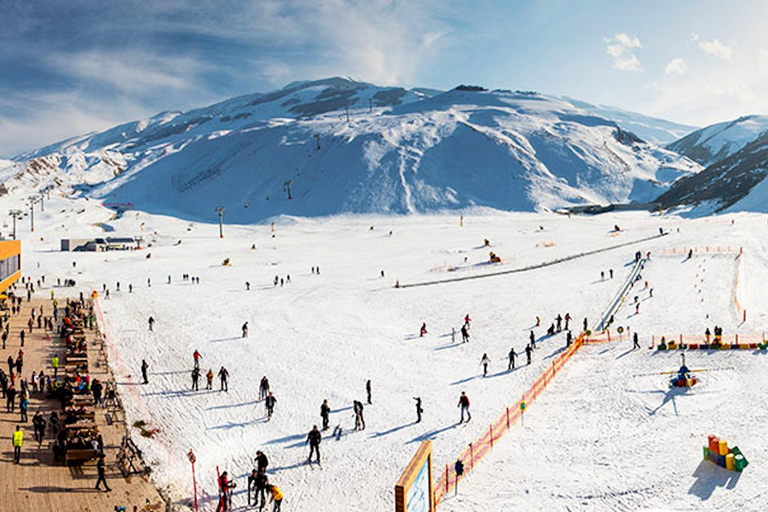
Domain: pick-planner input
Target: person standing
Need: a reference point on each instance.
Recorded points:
(325, 411)
(195, 378)
(151, 323)
(18, 440)
(223, 374)
(102, 475)
(269, 403)
(464, 405)
(209, 378)
(635, 340)
(511, 365)
(485, 361)
(357, 406)
(314, 438)
(419, 410)
(38, 424)
(368, 390)
(263, 388)
(144, 368)
(261, 461)
(23, 406)
(528, 351)
(245, 330)
(55, 364)
(532, 337)
(197, 357)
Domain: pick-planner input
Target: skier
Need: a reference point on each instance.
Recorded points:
(325, 411)
(357, 406)
(247, 286)
(245, 330)
(195, 377)
(144, 368)
(567, 320)
(197, 357)
(511, 365)
(225, 493)
(635, 340)
(252, 479)
(269, 403)
(485, 361)
(466, 321)
(368, 390)
(209, 379)
(464, 405)
(610, 272)
(261, 489)
(419, 410)
(314, 438)
(464, 334)
(533, 340)
(585, 323)
(602, 275)
(559, 321)
(528, 351)
(538, 321)
(263, 388)
(223, 374)
(568, 339)
(423, 330)
(151, 323)
(261, 462)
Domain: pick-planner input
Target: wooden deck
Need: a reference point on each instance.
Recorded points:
(38, 484)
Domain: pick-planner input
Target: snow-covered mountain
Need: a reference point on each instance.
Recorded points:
(650, 129)
(735, 183)
(336, 145)
(719, 141)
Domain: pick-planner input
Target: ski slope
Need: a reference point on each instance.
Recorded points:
(605, 435)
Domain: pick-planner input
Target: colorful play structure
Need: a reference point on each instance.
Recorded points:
(683, 379)
(729, 458)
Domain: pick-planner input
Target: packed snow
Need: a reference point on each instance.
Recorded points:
(608, 434)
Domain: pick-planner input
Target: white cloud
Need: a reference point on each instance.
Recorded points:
(676, 67)
(620, 48)
(714, 48)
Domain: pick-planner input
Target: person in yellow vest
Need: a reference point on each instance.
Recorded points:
(18, 440)
(55, 364)
(277, 497)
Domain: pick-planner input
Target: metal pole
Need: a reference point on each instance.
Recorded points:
(32, 215)
(194, 485)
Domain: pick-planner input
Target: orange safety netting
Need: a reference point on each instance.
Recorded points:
(482, 445)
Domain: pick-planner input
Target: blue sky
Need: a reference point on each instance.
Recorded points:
(70, 67)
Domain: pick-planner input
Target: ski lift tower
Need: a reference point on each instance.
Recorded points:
(15, 214)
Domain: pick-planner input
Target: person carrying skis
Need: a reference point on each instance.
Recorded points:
(464, 405)
(225, 493)
(269, 403)
(325, 411)
(223, 374)
(195, 378)
(314, 438)
(511, 365)
(245, 330)
(144, 368)
(485, 361)
(197, 357)
(209, 378)
(528, 351)
(419, 410)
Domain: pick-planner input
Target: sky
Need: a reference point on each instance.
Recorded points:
(68, 68)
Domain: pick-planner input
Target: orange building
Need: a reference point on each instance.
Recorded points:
(10, 263)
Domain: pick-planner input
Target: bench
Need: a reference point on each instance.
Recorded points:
(78, 456)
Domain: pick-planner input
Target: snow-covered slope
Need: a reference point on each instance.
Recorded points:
(650, 129)
(337, 146)
(718, 141)
(735, 183)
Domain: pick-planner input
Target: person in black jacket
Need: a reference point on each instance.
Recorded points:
(102, 475)
(325, 411)
(314, 438)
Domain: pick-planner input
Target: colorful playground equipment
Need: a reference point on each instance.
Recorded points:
(683, 379)
(729, 458)
(714, 344)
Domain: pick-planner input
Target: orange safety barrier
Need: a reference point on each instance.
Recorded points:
(482, 445)
(701, 339)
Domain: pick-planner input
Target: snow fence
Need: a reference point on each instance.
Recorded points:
(478, 448)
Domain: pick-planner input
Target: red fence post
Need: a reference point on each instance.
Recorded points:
(471, 456)
(507, 418)
(446, 479)
(491, 427)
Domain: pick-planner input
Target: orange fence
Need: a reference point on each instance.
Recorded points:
(482, 445)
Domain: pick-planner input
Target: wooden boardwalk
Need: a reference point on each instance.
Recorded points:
(39, 484)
